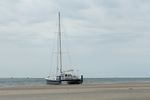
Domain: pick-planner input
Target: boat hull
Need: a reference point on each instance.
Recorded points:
(53, 82)
(74, 81)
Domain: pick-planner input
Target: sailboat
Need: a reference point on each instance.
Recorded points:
(63, 74)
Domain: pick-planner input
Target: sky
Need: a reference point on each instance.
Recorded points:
(107, 38)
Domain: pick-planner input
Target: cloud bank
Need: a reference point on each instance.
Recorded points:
(108, 38)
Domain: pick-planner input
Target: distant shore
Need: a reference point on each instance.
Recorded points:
(116, 91)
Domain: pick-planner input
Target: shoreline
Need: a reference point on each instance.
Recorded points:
(83, 84)
(114, 91)
(100, 85)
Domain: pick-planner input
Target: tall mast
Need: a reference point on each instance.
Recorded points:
(60, 44)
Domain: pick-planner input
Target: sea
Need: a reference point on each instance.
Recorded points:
(18, 82)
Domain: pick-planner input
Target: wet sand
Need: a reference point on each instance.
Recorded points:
(121, 91)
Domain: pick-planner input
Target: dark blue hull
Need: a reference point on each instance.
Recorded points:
(74, 81)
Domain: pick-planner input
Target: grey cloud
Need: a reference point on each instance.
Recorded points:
(106, 30)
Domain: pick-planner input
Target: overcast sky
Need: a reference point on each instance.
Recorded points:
(108, 38)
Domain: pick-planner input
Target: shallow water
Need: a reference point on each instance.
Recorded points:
(8, 82)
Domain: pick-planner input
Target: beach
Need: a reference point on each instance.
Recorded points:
(115, 91)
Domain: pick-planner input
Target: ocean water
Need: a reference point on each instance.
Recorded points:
(15, 82)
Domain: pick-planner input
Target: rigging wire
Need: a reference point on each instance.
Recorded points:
(67, 49)
(53, 42)
(67, 45)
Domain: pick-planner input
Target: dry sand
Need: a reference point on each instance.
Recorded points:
(121, 91)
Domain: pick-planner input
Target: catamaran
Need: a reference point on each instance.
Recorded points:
(63, 74)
